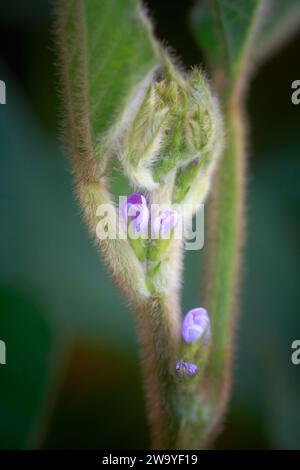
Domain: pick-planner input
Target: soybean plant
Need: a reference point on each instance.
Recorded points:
(130, 108)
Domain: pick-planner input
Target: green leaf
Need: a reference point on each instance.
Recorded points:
(224, 29)
(282, 20)
(105, 52)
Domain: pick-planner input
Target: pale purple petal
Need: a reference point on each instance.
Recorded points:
(139, 218)
(133, 209)
(195, 324)
(164, 223)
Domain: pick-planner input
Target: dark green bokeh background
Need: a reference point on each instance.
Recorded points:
(72, 378)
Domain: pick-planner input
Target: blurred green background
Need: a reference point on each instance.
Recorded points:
(72, 378)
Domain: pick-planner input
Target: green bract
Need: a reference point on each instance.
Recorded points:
(170, 123)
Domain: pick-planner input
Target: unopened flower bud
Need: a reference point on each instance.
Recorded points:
(164, 223)
(195, 324)
(183, 368)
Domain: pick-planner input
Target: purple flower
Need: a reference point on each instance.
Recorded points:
(133, 209)
(164, 223)
(195, 324)
(183, 367)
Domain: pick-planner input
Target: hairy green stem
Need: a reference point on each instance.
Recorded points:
(205, 405)
(158, 324)
(222, 271)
